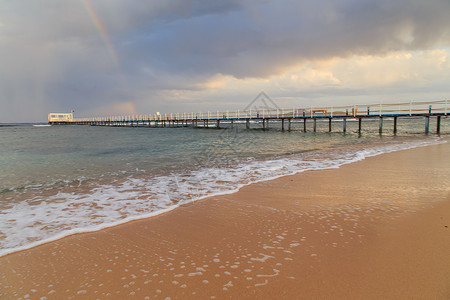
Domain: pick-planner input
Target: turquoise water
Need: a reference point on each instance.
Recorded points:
(58, 180)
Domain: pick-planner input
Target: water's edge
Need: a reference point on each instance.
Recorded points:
(359, 156)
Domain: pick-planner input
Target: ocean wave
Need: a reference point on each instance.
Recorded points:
(44, 218)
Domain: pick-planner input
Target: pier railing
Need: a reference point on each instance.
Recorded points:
(439, 107)
(424, 109)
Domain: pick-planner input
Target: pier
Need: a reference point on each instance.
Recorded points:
(284, 117)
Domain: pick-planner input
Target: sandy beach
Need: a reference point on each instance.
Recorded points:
(375, 229)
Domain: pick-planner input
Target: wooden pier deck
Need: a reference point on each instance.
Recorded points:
(285, 117)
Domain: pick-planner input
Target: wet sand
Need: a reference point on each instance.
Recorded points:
(369, 230)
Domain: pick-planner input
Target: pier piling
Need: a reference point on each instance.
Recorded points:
(395, 125)
(438, 124)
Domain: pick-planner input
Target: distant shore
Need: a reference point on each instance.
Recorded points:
(374, 229)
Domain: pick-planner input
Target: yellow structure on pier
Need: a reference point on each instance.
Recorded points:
(60, 117)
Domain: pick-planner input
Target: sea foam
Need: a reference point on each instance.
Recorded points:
(44, 219)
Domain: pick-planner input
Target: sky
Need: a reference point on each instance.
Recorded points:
(123, 57)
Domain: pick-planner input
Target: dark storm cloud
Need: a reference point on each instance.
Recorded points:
(54, 58)
(259, 40)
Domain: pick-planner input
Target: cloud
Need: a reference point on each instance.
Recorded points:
(265, 39)
(54, 58)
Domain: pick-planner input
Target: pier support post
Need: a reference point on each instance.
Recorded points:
(380, 129)
(282, 124)
(265, 124)
(359, 125)
(329, 124)
(218, 124)
(247, 123)
(395, 125)
(304, 124)
(315, 124)
(438, 125)
(344, 125)
(232, 123)
(427, 125)
(289, 125)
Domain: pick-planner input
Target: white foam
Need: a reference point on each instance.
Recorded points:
(43, 219)
(261, 259)
(276, 272)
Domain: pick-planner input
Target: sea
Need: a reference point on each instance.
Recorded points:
(60, 180)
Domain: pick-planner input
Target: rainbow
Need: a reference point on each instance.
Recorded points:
(132, 108)
(109, 46)
(102, 31)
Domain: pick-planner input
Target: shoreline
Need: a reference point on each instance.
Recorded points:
(371, 229)
(67, 233)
